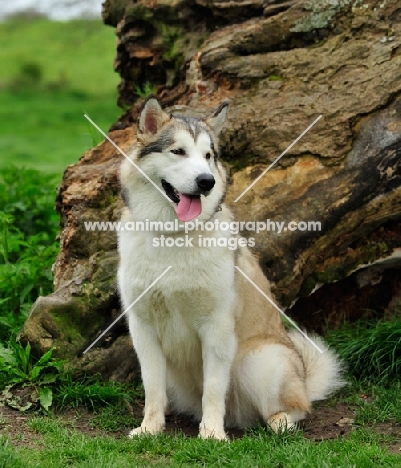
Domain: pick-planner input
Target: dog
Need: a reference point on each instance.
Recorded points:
(208, 343)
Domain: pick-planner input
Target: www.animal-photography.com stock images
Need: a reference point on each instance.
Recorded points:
(200, 233)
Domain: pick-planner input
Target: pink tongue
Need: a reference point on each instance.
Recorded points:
(188, 208)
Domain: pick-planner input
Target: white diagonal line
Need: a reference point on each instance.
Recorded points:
(127, 157)
(127, 309)
(277, 159)
(278, 308)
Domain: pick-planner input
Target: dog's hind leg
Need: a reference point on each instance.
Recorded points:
(270, 386)
(285, 421)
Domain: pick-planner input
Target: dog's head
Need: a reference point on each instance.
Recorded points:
(181, 156)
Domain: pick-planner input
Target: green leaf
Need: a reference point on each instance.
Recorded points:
(45, 398)
(25, 355)
(48, 378)
(45, 358)
(36, 371)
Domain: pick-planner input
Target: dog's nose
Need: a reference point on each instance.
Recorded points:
(205, 182)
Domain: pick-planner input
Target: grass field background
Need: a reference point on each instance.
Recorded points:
(51, 74)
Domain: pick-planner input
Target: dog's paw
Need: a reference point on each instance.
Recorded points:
(206, 433)
(281, 422)
(146, 430)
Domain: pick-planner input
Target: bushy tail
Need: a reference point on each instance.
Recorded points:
(324, 371)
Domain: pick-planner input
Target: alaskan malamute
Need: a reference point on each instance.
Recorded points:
(209, 344)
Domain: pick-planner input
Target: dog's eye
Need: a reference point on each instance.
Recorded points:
(178, 151)
(208, 155)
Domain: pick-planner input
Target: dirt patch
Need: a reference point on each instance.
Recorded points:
(326, 422)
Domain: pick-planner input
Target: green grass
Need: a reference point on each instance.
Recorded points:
(77, 53)
(60, 446)
(373, 403)
(53, 73)
(93, 394)
(115, 419)
(58, 443)
(372, 351)
(9, 458)
(47, 130)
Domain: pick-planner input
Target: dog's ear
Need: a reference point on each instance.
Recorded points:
(218, 117)
(152, 116)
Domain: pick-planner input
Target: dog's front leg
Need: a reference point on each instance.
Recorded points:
(153, 369)
(218, 350)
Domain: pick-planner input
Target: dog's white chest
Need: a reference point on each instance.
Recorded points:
(176, 317)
